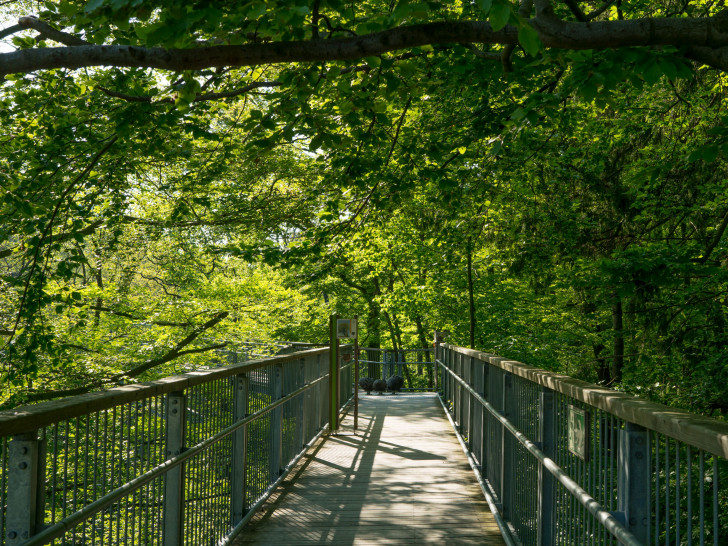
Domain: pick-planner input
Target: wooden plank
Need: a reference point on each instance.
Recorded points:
(705, 433)
(28, 418)
(401, 479)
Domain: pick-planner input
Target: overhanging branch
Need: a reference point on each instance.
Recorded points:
(709, 32)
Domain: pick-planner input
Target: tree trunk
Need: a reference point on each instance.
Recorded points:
(405, 369)
(471, 297)
(618, 356)
(373, 336)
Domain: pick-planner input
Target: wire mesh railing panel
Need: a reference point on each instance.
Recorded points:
(3, 483)
(415, 366)
(181, 460)
(524, 413)
(82, 459)
(494, 431)
(207, 476)
(595, 469)
(687, 495)
(568, 463)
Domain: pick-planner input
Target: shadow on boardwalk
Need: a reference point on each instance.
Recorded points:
(400, 479)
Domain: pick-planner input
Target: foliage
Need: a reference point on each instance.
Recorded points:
(562, 205)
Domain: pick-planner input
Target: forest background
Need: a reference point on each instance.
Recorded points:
(547, 180)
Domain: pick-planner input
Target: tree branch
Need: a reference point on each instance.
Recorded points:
(704, 32)
(716, 239)
(91, 228)
(103, 309)
(507, 56)
(4, 33)
(174, 353)
(198, 98)
(573, 5)
(48, 31)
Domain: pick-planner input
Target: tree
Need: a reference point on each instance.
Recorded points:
(178, 38)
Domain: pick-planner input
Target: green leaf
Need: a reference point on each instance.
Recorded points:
(485, 5)
(93, 5)
(499, 15)
(528, 38)
(374, 62)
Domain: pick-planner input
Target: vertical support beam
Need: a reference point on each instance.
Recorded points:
(633, 481)
(240, 448)
(459, 393)
(435, 365)
(301, 409)
(333, 375)
(471, 402)
(276, 422)
(546, 480)
(507, 476)
(20, 522)
(174, 478)
(485, 462)
(356, 374)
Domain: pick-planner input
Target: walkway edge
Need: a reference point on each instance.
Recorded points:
(502, 525)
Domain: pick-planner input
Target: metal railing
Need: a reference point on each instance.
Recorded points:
(186, 459)
(567, 462)
(417, 365)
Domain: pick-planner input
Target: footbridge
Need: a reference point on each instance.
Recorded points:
(476, 449)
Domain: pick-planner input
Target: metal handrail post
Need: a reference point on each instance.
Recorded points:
(175, 477)
(471, 404)
(276, 424)
(507, 452)
(546, 481)
(301, 409)
(23, 484)
(240, 448)
(633, 482)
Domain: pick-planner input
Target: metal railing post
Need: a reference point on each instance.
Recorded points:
(471, 403)
(633, 482)
(507, 446)
(485, 434)
(174, 478)
(459, 393)
(240, 449)
(333, 375)
(22, 500)
(546, 481)
(276, 423)
(301, 410)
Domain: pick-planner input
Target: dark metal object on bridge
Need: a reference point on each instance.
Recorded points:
(395, 383)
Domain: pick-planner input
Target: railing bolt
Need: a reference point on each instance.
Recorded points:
(12, 535)
(639, 455)
(24, 451)
(23, 466)
(25, 534)
(174, 411)
(632, 521)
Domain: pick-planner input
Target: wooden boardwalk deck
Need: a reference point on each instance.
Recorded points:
(402, 478)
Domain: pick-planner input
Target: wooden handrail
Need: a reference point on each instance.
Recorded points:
(703, 432)
(32, 417)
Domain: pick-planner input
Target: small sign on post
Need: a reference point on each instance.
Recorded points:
(346, 328)
(579, 432)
